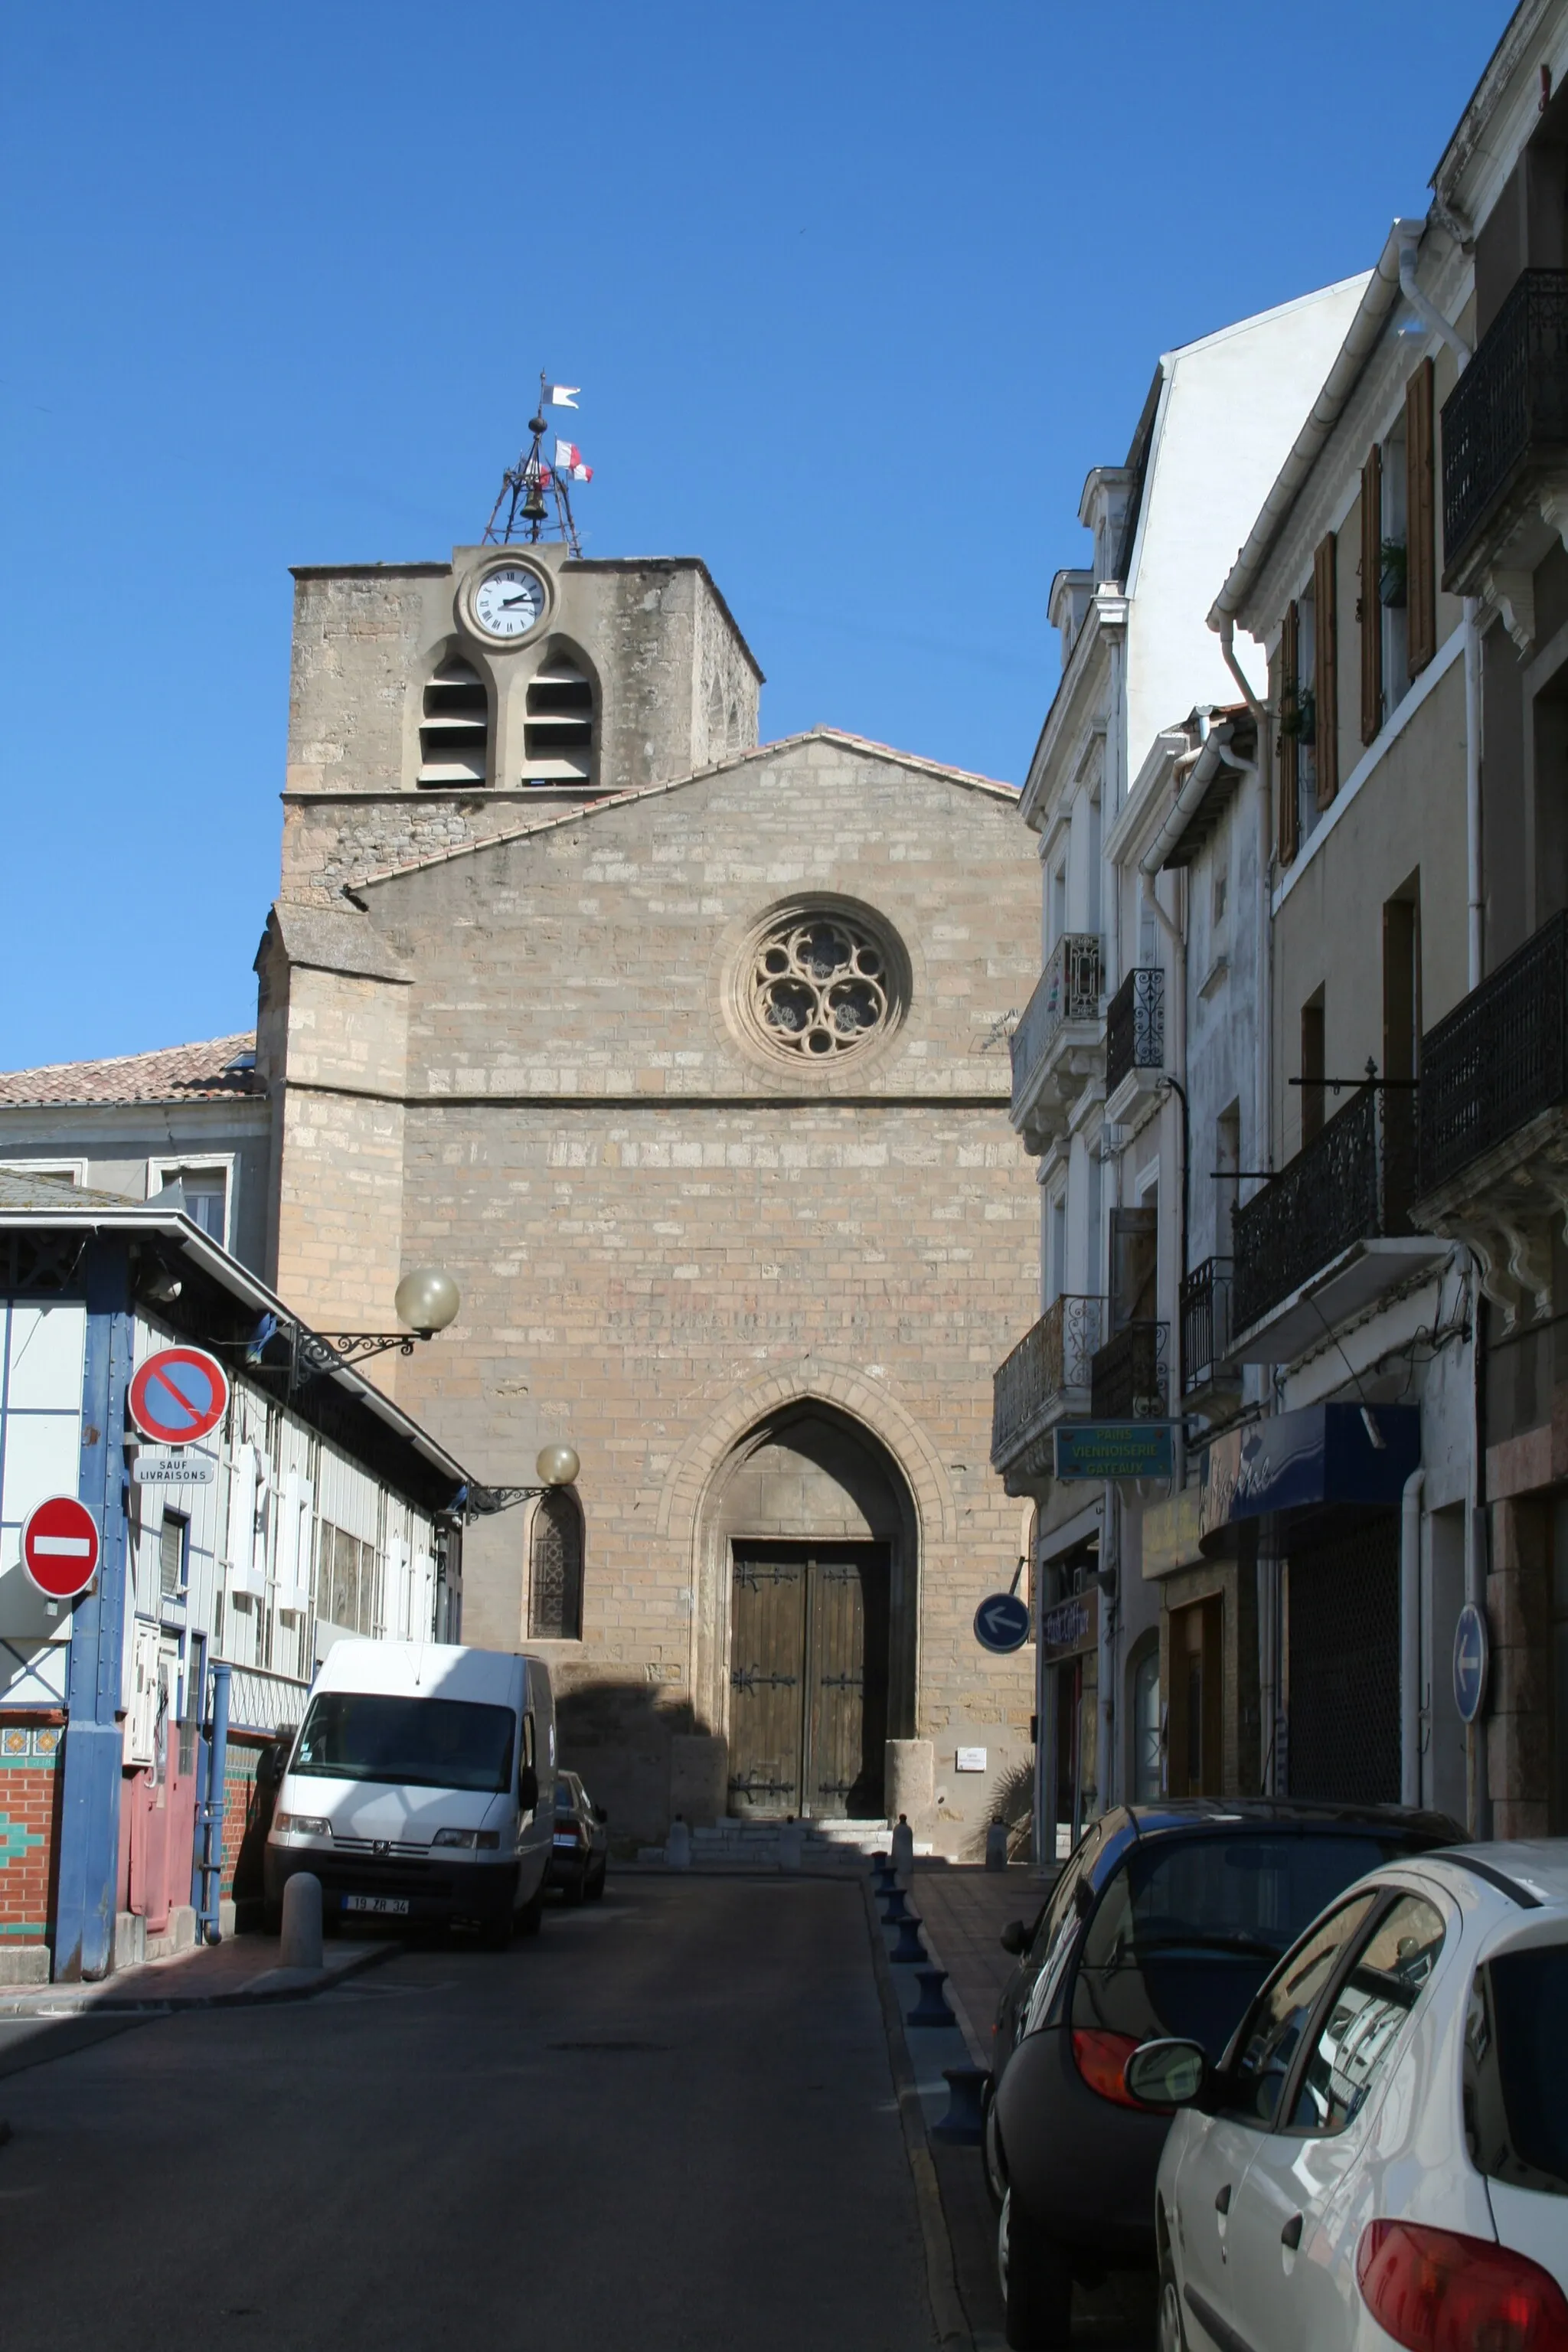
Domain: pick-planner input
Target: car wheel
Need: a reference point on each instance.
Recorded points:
(593, 1891)
(530, 1919)
(1036, 2283)
(272, 1920)
(576, 1887)
(1172, 2335)
(992, 2161)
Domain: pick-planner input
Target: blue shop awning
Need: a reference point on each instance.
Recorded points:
(1325, 1456)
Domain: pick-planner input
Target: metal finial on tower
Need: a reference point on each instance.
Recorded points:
(529, 488)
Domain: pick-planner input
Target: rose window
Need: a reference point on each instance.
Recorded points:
(819, 986)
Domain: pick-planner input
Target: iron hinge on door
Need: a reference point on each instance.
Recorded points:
(752, 1678)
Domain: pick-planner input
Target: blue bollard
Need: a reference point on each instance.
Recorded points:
(931, 2008)
(965, 2122)
(894, 1909)
(908, 1951)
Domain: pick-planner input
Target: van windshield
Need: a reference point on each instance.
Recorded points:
(423, 1743)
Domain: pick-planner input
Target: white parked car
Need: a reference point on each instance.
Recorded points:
(1382, 2157)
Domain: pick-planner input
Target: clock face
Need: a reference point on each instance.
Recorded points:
(508, 603)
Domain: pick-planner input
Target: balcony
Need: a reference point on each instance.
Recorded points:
(1331, 1234)
(1134, 1040)
(1494, 1120)
(1128, 1378)
(1057, 1046)
(1205, 1329)
(1505, 446)
(1046, 1378)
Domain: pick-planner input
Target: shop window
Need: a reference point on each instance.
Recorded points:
(1557, 1810)
(1197, 1686)
(1146, 1723)
(555, 1569)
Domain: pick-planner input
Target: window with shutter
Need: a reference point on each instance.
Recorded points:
(1421, 516)
(1326, 669)
(1290, 735)
(1370, 605)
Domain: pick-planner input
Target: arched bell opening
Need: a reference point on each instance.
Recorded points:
(809, 1618)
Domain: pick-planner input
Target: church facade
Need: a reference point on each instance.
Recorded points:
(687, 1056)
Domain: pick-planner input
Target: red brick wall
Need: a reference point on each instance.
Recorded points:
(30, 1750)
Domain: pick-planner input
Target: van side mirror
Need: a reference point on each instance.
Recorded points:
(1167, 2074)
(528, 1787)
(1015, 1938)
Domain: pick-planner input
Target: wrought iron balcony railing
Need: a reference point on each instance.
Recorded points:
(1067, 989)
(1206, 1322)
(1508, 408)
(1135, 1026)
(1500, 1056)
(1128, 1379)
(1048, 1362)
(1353, 1183)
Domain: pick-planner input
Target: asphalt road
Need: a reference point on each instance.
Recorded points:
(669, 2123)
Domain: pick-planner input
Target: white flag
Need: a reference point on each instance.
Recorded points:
(563, 395)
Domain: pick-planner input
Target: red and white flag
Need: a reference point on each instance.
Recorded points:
(569, 461)
(563, 395)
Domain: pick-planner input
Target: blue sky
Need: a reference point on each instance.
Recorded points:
(856, 294)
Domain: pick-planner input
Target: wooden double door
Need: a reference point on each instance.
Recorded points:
(808, 1680)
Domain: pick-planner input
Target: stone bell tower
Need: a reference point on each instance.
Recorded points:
(435, 705)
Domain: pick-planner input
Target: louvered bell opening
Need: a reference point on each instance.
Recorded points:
(454, 728)
(558, 728)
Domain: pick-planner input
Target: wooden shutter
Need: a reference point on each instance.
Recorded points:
(1326, 682)
(1289, 746)
(1371, 603)
(1421, 507)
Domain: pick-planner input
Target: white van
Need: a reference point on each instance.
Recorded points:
(421, 1787)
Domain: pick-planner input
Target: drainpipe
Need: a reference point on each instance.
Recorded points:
(1432, 319)
(1263, 1033)
(212, 1811)
(1410, 1639)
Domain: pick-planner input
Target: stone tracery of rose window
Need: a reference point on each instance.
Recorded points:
(819, 985)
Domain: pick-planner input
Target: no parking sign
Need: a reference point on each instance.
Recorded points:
(178, 1395)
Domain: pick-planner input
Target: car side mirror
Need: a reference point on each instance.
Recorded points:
(527, 1789)
(1015, 1938)
(1167, 2074)
(600, 1815)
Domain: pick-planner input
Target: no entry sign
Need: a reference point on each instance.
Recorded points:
(178, 1395)
(60, 1547)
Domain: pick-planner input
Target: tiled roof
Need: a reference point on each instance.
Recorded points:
(173, 1073)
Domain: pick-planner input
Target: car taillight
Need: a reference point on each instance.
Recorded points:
(1100, 2058)
(1437, 2291)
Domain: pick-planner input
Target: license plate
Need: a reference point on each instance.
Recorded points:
(563, 1840)
(386, 1906)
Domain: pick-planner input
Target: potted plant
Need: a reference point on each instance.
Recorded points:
(1394, 574)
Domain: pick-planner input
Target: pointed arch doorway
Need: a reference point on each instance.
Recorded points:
(815, 1537)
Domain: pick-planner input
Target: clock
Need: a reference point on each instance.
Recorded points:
(508, 602)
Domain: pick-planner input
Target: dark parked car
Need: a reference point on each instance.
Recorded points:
(580, 1851)
(1165, 1921)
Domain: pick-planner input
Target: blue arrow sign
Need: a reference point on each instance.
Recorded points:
(1002, 1622)
(1471, 1651)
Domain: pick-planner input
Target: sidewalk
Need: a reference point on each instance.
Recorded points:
(965, 1907)
(212, 1976)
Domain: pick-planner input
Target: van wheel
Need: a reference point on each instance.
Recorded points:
(272, 1919)
(495, 1935)
(530, 1919)
(1036, 2283)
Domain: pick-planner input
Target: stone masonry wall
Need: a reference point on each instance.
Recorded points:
(660, 1232)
